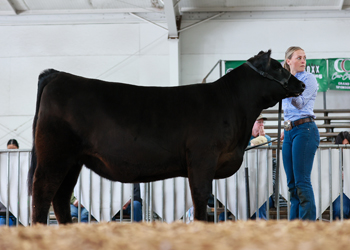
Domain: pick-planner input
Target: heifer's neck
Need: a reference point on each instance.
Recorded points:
(248, 91)
(248, 95)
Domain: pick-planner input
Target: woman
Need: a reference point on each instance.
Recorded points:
(301, 138)
(343, 138)
(12, 144)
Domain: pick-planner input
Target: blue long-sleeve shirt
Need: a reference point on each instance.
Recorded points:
(302, 106)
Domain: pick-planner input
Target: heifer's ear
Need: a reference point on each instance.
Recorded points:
(262, 60)
(266, 55)
(269, 53)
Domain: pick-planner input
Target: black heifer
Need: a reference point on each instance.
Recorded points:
(135, 134)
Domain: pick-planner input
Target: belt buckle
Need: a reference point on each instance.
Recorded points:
(287, 125)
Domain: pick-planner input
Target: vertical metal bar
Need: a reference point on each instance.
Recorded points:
(319, 183)
(225, 208)
(215, 200)
(257, 184)
(79, 198)
(144, 202)
(236, 216)
(184, 216)
(48, 218)
(277, 188)
(101, 192)
(29, 197)
(163, 200)
(132, 203)
(121, 201)
(18, 187)
(268, 185)
(277, 175)
(288, 206)
(111, 194)
(148, 202)
(247, 187)
(151, 201)
(220, 68)
(341, 184)
(330, 185)
(90, 196)
(8, 189)
(174, 199)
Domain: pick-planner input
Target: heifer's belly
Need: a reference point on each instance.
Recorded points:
(228, 164)
(140, 166)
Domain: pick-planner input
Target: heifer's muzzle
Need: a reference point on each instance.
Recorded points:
(283, 82)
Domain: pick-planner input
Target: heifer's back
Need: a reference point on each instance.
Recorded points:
(125, 132)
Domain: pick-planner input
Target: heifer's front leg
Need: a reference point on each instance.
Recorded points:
(200, 196)
(200, 175)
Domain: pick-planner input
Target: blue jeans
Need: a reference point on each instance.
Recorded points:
(12, 220)
(262, 210)
(84, 213)
(346, 207)
(137, 211)
(299, 147)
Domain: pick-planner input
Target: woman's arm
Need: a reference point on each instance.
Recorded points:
(310, 90)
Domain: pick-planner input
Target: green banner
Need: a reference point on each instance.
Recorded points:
(339, 73)
(230, 65)
(317, 67)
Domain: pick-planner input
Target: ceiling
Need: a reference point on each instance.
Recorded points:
(23, 12)
(32, 7)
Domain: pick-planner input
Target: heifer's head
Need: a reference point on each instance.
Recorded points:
(273, 72)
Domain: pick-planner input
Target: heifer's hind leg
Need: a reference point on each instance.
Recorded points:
(200, 175)
(42, 196)
(61, 200)
(47, 180)
(57, 149)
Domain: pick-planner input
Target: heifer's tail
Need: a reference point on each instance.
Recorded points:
(44, 78)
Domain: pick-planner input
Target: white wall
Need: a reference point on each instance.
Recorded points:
(207, 43)
(132, 53)
(139, 54)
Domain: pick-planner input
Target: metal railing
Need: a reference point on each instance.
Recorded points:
(168, 200)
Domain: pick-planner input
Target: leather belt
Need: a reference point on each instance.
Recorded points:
(289, 125)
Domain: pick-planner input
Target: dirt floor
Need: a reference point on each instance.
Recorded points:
(269, 235)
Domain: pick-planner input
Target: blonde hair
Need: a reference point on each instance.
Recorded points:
(288, 55)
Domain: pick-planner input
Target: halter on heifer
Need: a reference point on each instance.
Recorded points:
(283, 82)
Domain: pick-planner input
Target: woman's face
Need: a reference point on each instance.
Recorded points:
(298, 62)
(11, 146)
